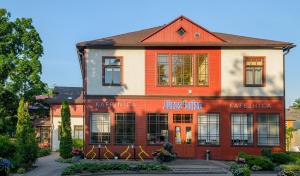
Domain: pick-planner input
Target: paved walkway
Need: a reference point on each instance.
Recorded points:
(47, 166)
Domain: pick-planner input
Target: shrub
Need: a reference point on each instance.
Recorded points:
(259, 161)
(78, 143)
(290, 167)
(281, 158)
(7, 148)
(239, 170)
(44, 152)
(266, 152)
(101, 167)
(295, 155)
(21, 170)
(26, 153)
(68, 160)
(65, 145)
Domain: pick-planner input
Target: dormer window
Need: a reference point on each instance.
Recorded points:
(181, 31)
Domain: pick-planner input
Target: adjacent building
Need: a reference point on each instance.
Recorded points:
(181, 83)
(74, 96)
(293, 121)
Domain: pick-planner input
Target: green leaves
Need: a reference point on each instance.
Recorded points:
(65, 145)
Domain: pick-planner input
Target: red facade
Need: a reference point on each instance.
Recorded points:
(224, 107)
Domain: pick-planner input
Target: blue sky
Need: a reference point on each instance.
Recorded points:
(62, 24)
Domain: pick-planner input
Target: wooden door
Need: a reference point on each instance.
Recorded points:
(183, 140)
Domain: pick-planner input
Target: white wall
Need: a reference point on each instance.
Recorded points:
(232, 83)
(133, 72)
(56, 123)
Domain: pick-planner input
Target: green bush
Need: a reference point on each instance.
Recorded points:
(295, 155)
(44, 152)
(7, 147)
(290, 167)
(102, 167)
(65, 145)
(26, 151)
(281, 158)
(68, 160)
(258, 161)
(21, 170)
(78, 143)
(240, 170)
(266, 152)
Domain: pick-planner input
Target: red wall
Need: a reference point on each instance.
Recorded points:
(214, 77)
(143, 105)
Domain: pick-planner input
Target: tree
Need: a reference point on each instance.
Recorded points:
(65, 146)
(296, 103)
(20, 68)
(25, 138)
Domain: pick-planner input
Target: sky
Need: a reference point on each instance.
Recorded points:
(63, 23)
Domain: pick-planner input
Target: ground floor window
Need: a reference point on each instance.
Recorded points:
(157, 128)
(268, 129)
(242, 129)
(100, 128)
(124, 128)
(43, 134)
(208, 129)
(78, 131)
(182, 118)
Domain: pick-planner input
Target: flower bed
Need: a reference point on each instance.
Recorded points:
(112, 167)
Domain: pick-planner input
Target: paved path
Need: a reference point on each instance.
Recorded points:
(47, 166)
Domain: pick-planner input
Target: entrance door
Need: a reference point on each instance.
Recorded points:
(183, 135)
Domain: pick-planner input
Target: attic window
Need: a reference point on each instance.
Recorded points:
(181, 31)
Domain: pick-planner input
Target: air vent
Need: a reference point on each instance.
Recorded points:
(197, 35)
(181, 31)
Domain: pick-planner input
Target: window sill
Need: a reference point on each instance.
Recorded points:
(253, 85)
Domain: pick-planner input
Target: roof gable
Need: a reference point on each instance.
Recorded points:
(182, 30)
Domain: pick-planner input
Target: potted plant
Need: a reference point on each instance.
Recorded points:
(77, 153)
(4, 164)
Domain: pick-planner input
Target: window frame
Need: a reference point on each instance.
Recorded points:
(183, 119)
(90, 128)
(257, 133)
(157, 123)
(104, 66)
(198, 132)
(263, 58)
(252, 132)
(195, 70)
(116, 123)
(76, 130)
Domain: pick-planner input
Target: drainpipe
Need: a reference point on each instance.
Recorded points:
(286, 50)
(82, 62)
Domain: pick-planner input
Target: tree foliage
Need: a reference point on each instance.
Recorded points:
(25, 138)
(65, 146)
(296, 103)
(20, 68)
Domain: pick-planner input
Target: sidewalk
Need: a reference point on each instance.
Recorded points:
(47, 166)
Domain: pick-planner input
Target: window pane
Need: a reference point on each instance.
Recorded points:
(268, 129)
(157, 128)
(162, 69)
(125, 128)
(249, 76)
(254, 71)
(208, 129)
(182, 69)
(100, 128)
(202, 69)
(242, 129)
(258, 76)
(112, 71)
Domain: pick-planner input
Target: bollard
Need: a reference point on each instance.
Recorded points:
(207, 154)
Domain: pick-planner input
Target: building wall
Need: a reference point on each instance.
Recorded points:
(56, 122)
(75, 110)
(232, 72)
(133, 72)
(142, 105)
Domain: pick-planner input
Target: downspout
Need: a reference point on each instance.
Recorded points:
(82, 62)
(286, 50)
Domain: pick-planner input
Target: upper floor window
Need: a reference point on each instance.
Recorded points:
(186, 69)
(254, 70)
(111, 71)
(202, 69)
(182, 69)
(162, 69)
